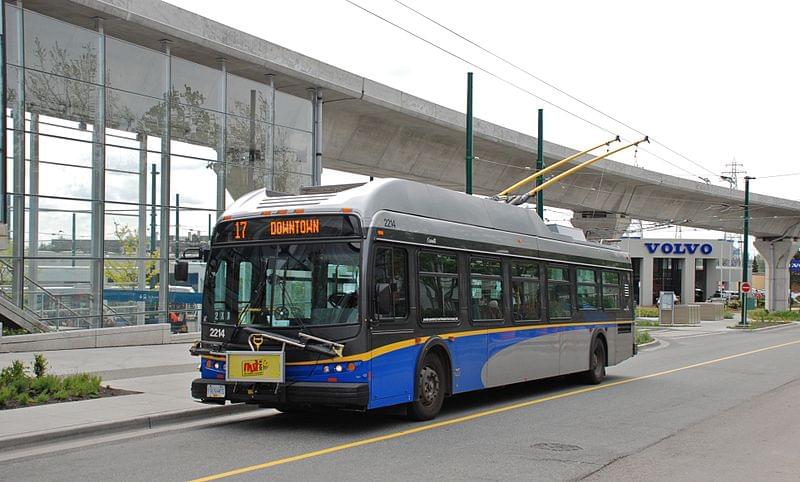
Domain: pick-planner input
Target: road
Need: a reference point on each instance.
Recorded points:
(672, 412)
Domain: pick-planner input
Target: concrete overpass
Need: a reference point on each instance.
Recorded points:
(372, 129)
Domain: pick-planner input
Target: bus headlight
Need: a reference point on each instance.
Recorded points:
(338, 368)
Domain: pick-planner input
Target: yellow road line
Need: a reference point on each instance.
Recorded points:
(473, 416)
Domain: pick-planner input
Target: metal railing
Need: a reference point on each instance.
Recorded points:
(59, 314)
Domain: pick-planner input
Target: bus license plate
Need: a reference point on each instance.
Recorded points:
(254, 366)
(215, 391)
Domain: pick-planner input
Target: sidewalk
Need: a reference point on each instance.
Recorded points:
(162, 373)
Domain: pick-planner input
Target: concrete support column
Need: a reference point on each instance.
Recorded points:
(99, 186)
(687, 280)
(33, 200)
(269, 149)
(777, 256)
(713, 277)
(222, 162)
(18, 186)
(646, 282)
(163, 246)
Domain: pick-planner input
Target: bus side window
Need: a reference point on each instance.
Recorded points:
(438, 287)
(525, 297)
(611, 291)
(559, 297)
(587, 289)
(486, 289)
(391, 270)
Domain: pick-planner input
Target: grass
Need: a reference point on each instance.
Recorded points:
(647, 323)
(754, 324)
(646, 312)
(18, 388)
(642, 337)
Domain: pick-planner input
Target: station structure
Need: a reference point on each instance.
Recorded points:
(131, 126)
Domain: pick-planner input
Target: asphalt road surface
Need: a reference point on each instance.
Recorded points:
(676, 411)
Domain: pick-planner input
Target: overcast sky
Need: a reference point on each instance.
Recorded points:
(713, 81)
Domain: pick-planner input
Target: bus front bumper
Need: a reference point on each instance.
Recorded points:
(343, 395)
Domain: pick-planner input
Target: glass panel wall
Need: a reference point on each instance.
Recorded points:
(87, 144)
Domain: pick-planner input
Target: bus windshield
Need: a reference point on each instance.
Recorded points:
(283, 285)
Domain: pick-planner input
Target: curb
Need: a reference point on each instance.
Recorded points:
(764, 328)
(145, 422)
(655, 342)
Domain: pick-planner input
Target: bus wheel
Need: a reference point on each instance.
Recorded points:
(430, 390)
(597, 364)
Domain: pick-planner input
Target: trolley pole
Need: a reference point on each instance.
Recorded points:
(540, 165)
(745, 249)
(469, 155)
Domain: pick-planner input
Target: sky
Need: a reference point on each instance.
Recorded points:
(713, 81)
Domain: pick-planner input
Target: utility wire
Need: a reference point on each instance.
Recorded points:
(527, 91)
(528, 73)
(779, 175)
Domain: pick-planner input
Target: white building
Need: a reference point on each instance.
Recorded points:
(701, 265)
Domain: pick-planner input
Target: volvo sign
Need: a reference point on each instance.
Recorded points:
(679, 248)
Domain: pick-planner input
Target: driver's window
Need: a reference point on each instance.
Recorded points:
(220, 280)
(245, 289)
(391, 273)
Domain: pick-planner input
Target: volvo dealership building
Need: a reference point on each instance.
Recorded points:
(693, 268)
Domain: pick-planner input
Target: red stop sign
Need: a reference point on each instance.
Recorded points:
(745, 287)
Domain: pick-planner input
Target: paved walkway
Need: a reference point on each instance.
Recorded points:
(162, 373)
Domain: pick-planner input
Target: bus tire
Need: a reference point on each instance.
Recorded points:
(597, 363)
(430, 389)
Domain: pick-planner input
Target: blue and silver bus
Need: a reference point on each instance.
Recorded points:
(400, 293)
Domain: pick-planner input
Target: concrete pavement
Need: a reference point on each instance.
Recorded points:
(666, 391)
(161, 374)
(753, 441)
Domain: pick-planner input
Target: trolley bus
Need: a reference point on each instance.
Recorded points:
(400, 293)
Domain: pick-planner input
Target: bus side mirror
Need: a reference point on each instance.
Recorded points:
(182, 271)
(383, 299)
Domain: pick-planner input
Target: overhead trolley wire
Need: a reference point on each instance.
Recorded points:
(552, 86)
(527, 91)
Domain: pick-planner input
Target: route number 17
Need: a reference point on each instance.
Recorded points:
(240, 230)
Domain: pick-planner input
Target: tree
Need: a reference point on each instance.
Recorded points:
(126, 272)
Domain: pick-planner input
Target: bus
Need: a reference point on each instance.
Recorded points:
(400, 293)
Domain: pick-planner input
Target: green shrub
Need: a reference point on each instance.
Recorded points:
(61, 395)
(643, 337)
(735, 305)
(23, 398)
(81, 385)
(728, 316)
(646, 312)
(39, 365)
(48, 384)
(9, 374)
(19, 388)
(6, 395)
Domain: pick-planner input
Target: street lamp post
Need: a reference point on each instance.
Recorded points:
(745, 260)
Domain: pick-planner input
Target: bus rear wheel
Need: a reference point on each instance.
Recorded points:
(430, 390)
(597, 364)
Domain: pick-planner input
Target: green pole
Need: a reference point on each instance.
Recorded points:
(153, 209)
(745, 249)
(469, 156)
(177, 226)
(540, 165)
(209, 229)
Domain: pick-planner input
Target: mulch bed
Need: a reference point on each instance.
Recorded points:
(105, 391)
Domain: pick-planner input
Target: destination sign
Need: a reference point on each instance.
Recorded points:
(287, 227)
